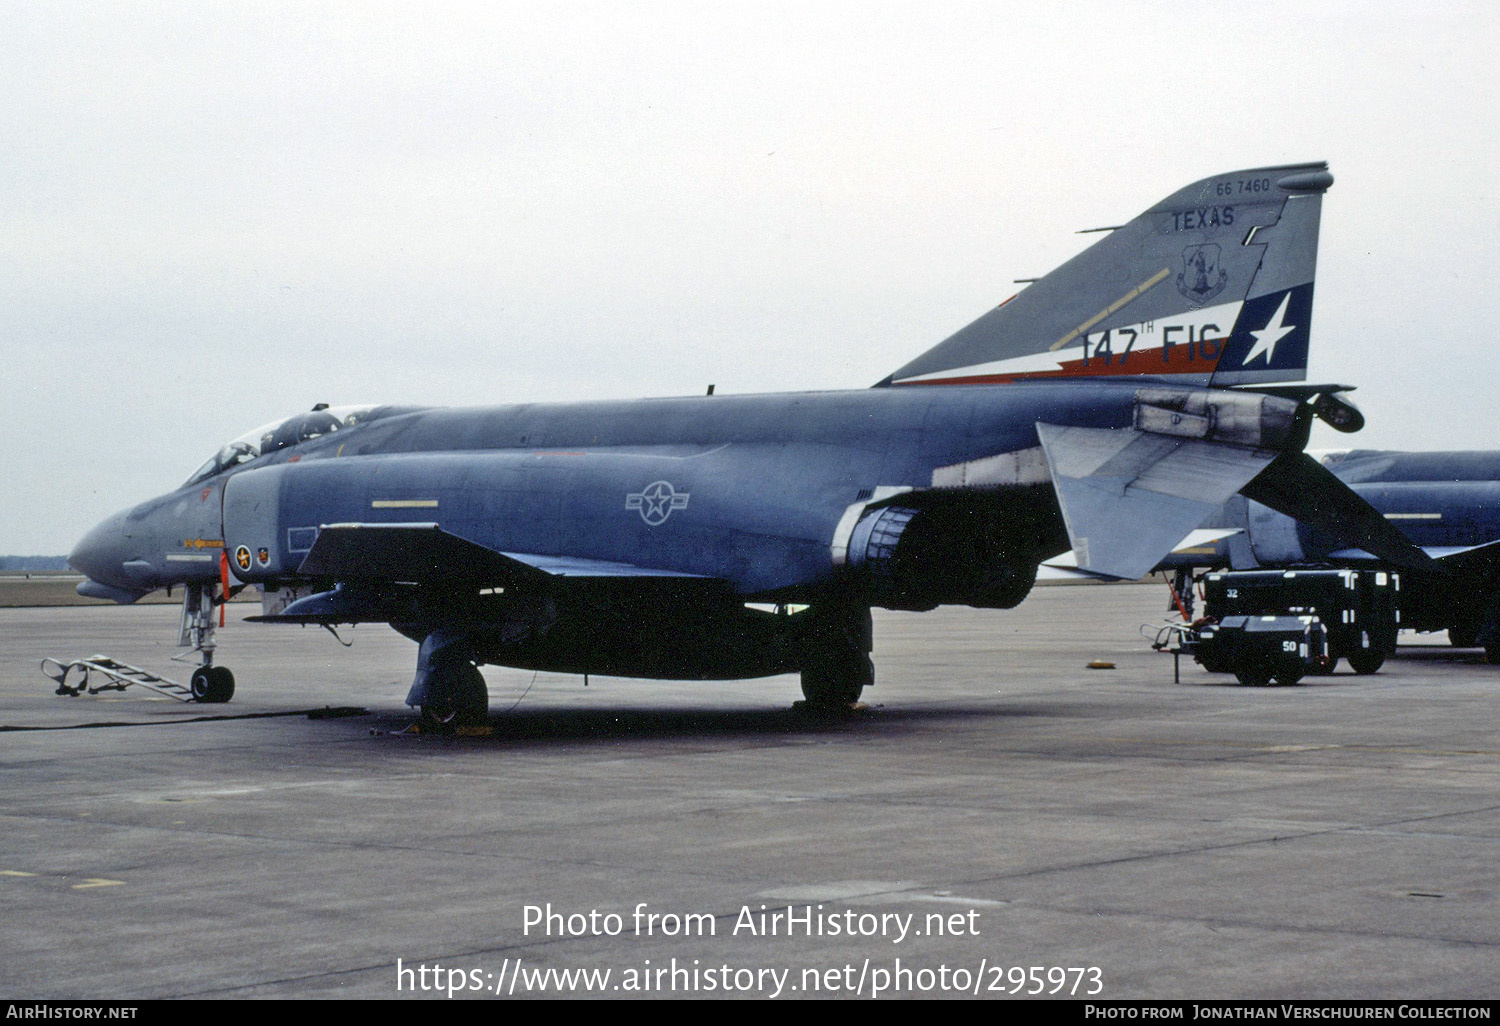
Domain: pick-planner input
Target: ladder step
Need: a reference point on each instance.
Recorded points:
(118, 677)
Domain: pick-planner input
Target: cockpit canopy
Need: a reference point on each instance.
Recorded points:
(281, 434)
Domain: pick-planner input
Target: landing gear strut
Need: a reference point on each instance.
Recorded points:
(209, 683)
(837, 665)
(1182, 593)
(448, 690)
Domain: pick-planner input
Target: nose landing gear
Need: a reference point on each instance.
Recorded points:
(209, 683)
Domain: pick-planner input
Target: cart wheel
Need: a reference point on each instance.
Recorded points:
(1252, 675)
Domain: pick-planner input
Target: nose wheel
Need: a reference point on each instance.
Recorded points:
(212, 684)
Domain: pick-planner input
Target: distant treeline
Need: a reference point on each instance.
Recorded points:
(28, 563)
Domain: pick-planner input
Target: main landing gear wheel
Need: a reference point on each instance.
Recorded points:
(828, 685)
(836, 666)
(214, 684)
(461, 701)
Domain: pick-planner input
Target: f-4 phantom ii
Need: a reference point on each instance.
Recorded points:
(1448, 503)
(1108, 409)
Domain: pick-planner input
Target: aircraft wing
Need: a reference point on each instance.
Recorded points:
(365, 557)
(576, 567)
(422, 553)
(415, 553)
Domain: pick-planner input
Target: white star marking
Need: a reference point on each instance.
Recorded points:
(657, 498)
(1267, 337)
(656, 501)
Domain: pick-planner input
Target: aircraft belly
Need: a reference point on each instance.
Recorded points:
(716, 642)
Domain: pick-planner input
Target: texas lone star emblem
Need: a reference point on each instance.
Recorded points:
(656, 501)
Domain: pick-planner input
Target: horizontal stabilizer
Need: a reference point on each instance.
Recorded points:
(1205, 536)
(1129, 497)
(1065, 566)
(1483, 559)
(1302, 488)
(1048, 572)
(1477, 559)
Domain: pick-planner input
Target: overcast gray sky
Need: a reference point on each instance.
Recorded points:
(214, 215)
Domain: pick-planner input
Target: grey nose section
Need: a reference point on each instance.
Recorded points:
(100, 553)
(102, 556)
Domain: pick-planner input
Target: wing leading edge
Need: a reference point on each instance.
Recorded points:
(422, 553)
(366, 558)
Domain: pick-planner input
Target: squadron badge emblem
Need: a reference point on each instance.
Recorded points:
(1202, 278)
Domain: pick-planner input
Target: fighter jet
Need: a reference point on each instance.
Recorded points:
(1108, 408)
(1447, 503)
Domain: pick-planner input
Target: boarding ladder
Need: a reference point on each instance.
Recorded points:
(118, 675)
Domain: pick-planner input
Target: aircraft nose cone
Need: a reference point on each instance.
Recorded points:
(100, 554)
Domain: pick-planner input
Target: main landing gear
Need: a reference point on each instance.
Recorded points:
(1482, 629)
(209, 683)
(836, 666)
(448, 691)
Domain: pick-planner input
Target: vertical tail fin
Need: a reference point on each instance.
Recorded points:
(1211, 285)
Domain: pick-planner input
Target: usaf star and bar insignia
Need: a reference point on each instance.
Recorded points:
(656, 502)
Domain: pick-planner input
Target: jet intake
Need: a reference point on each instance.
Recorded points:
(945, 553)
(1250, 419)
